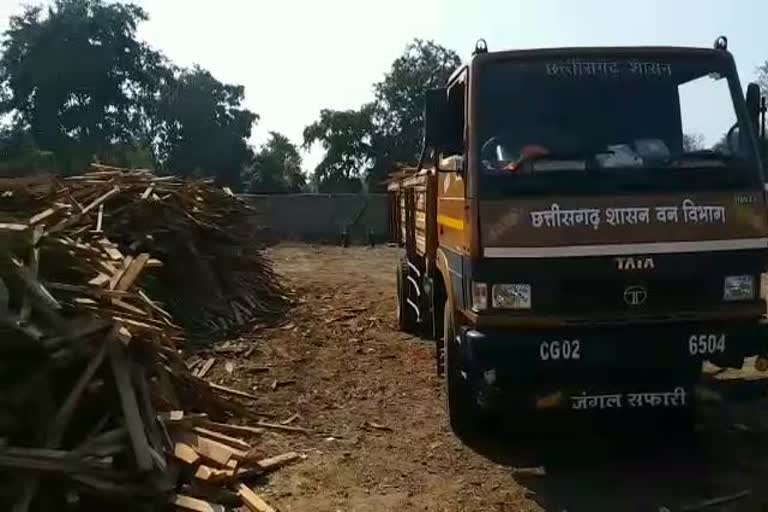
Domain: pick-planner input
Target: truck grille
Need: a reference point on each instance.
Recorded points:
(581, 296)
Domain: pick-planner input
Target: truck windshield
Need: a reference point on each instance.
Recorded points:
(560, 118)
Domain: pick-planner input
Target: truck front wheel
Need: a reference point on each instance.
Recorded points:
(463, 411)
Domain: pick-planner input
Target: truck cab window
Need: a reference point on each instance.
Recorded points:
(456, 102)
(706, 112)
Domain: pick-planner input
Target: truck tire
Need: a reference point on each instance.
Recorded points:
(406, 316)
(463, 411)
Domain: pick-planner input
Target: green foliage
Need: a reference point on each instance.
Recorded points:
(276, 168)
(81, 85)
(72, 73)
(399, 115)
(20, 156)
(347, 138)
(369, 141)
(202, 127)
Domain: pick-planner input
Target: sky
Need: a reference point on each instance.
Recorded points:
(296, 57)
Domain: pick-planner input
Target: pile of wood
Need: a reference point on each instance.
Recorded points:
(215, 278)
(101, 278)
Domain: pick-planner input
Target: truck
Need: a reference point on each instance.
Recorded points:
(585, 228)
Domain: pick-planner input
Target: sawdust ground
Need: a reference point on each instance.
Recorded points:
(340, 364)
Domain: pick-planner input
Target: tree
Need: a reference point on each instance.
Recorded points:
(276, 168)
(370, 141)
(399, 114)
(348, 140)
(72, 74)
(203, 128)
(693, 141)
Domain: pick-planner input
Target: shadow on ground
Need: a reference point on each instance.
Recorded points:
(645, 463)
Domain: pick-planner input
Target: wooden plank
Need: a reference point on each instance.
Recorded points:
(34, 268)
(63, 416)
(717, 501)
(272, 463)
(36, 289)
(100, 280)
(117, 276)
(12, 226)
(232, 391)
(74, 219)
(132, 272)
(42, 216)
(284, 428)
(185, 453)
(212, 494)
(100, 219)
(111, 250)
(128, 307)
(253, 501)
(207, 448)
(223, 438)
(205, 368)
(130, 407)
(196, 505)
(232, 429)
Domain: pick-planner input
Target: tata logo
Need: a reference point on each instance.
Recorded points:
(635, 263)
(635, 295)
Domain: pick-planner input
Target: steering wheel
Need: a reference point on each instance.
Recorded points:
(492, 142)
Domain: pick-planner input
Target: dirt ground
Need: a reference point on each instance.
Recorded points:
(379, 439)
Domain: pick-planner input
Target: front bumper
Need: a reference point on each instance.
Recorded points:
(523, 353)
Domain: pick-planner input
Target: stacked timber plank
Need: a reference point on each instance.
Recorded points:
(102, 278)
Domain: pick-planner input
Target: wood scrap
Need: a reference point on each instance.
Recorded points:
(717, 501)
(195, 504)
(253, 501)
(223, 438)
(232, 391)
(205, 367)
(97, 277)
(273, 463)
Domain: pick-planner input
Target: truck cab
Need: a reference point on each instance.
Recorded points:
(586, 228)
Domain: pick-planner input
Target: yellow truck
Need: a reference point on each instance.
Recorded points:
(586, 227)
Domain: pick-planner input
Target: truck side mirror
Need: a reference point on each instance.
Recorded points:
(753, 107)
(439, 132)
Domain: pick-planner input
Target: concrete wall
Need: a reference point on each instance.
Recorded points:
(322, 217)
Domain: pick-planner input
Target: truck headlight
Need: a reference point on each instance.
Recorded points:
(479, 296)
(739, 288)
(511, 296)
